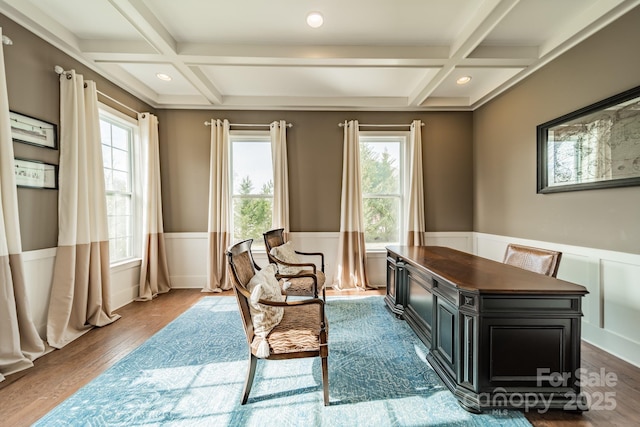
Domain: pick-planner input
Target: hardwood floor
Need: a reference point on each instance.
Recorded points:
(27, 396)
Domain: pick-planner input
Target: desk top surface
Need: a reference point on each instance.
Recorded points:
(481, 275)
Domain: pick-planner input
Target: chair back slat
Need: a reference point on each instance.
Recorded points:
(273, 239)
(242, 268)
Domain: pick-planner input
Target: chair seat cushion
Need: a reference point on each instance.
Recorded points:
(298, 331)
(304, 285)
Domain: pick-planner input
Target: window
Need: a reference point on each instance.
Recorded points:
(252, 184)
(118, 135)
(382, 171)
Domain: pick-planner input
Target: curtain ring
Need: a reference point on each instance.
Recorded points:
(68, 76)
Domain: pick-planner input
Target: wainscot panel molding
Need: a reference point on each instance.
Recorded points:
(38, 276)
(187, 254)
(38, 271)
(125, 283)
(612, 307)
(187, 259)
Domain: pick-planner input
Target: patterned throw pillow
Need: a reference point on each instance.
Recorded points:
(264, 285)
(286, 253)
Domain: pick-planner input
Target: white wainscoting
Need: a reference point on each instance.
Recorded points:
(38, 276)
(612, 307)
(187, 254)
(38, 272)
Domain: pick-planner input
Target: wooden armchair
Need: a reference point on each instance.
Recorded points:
(302, 332)
(542, 261)
(304, 277)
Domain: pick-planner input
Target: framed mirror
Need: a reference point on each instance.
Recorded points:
(597, 146)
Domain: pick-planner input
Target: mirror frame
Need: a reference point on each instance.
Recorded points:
(542, 133)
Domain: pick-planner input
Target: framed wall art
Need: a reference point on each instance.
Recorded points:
(34, 174)
(597, 146)
(32, 131)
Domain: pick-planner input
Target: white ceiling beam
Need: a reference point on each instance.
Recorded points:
(462, 101)
(610, 10)
(146, 23)
(124, 79)
(311, 101)
(590, 21)
(41, 24)
(99, 48)
(311, 51)
(486, 18)
(504, 52)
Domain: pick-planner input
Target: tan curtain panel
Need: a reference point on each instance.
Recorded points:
(154, 270)
(80, 294)
(350, 266)
(219, 228)
(20, 343)
(280, 218)
(415, 210)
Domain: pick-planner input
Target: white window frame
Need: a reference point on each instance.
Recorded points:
(403, 138)
(115, 116)
(240, 136)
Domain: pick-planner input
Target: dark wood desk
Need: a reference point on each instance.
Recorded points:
(499, 336)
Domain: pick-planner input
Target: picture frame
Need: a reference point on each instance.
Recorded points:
(32, 131)
(35, 174)
(597, 146)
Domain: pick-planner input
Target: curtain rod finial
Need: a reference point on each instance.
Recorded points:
(58, 69)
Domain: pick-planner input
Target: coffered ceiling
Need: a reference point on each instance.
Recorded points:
(369, 54)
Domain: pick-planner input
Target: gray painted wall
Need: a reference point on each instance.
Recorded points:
(480, 168)
(34, 90)
(315, 165)
(506, 202)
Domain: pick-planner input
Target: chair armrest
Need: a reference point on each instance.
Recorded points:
(301, 275)
(320, 254)
(292, 303)
(303, 264)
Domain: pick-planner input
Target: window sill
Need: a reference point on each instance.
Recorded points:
(125, 264)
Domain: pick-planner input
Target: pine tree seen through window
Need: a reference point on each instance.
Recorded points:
(382, 178)
(117, 137)
(252, 183)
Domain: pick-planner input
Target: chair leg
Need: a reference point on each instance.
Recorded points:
(324, 294)
(325, 380)
(249, 381)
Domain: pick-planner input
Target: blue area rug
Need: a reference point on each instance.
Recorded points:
(192, 373)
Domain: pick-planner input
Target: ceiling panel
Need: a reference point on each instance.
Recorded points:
(146, 73)
(534, 22)
(384, 54)
(483, 81)
(316, 81)
(93, 20)
(413, 22)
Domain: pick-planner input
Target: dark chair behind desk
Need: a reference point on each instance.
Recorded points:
(541, 261)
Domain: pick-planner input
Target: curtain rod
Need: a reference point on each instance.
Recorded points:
(379, 125)
(249, 124)
(59, 70)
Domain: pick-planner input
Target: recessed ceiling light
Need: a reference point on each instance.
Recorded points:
(463, 80)
(315, 19)
(163, 76)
